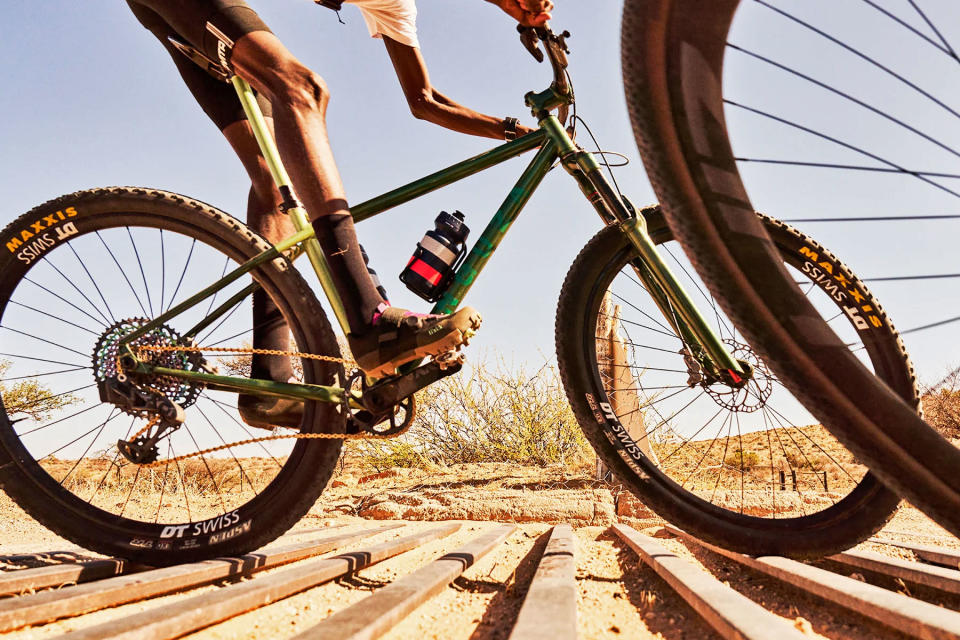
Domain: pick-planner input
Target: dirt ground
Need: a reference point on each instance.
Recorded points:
(618, 596)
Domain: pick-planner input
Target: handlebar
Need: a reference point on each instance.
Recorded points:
(556, 48)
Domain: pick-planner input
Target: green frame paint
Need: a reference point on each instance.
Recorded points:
(553, 144)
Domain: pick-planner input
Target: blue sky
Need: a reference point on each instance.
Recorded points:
(90, 99)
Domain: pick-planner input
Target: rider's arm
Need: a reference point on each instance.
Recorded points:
(426, 103)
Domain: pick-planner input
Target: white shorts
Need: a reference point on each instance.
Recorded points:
(394, 18)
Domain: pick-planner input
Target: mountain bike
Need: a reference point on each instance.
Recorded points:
(139, 452)
(673, 70)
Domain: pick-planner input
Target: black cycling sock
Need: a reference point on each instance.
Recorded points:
(270, 331)
(357, 290)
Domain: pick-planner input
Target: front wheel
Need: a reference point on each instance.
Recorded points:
(745, 468)
(81, 272)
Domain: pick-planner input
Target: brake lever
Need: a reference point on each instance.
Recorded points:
(528, 36)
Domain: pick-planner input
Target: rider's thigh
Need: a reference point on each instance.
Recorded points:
(212, 26)
(217, 98)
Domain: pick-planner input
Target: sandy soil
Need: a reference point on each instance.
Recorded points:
(618, 596)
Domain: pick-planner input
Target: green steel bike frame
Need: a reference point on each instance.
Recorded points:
(552, 143)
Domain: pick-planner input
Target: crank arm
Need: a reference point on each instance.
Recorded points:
(385, 395)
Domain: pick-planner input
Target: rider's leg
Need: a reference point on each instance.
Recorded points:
(299, 98)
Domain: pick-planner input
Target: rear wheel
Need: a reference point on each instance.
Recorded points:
(747, 468)
(83, 271)
(673, 56)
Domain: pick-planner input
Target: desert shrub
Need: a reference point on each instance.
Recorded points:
(798, 460)
(28, 398)
(489, 413)
(941, 405)
(742, 460)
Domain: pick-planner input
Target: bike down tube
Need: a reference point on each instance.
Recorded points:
(497, 228)
(634, 226)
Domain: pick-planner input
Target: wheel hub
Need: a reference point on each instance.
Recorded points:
(749, 395)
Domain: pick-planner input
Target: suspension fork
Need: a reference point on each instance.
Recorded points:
(669, 295)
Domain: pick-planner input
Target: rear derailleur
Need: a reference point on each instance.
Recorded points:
(166, 415)
(392, 400)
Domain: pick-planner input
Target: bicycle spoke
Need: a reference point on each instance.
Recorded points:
(221, 323)
(839, 142)
(213, 298)
(51, 373)
(949, 52)
(136, 477)
(163, 270)
(163, 487)
(952, 53)
(667, 331)
(69, 281)
(50, 424)
(243, 473)
(21, 357)
(29, 335)
(113, 414)
(54, 317)
(183, 485)
(203, 458)
(880, 112)
(143, 275)
(223, 407)
(173, 298)
(123, 273)
(706, 451)
(860, 55)
(92, 281)
(21, 407)
(61, 298)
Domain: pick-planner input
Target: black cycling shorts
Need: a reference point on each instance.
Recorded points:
(212, 27)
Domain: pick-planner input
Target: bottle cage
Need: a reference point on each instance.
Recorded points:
(215, 69)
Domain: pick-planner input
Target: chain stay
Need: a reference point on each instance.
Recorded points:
(142, 349)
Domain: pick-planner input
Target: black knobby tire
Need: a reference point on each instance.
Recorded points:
(857, 515)
(302, 475)
(672, 68)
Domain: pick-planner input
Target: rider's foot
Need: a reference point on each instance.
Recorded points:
(267, 413)
(399, 336)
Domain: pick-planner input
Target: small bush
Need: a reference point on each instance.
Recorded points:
(494, 413)
(742, 461)
(941, 405)
(798, 460)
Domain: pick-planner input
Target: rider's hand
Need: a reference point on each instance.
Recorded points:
(529, 13)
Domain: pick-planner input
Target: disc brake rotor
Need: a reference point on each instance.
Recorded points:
(754, 394)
